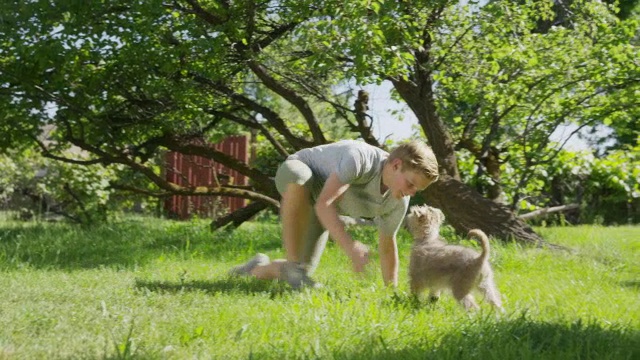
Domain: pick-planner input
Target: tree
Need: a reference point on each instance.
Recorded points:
(624, 133)
(125, 80)
(483, 80)
(526, 88)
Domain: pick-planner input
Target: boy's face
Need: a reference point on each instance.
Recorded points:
(406, 182)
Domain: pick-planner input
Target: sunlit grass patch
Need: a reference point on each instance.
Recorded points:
(148, 288)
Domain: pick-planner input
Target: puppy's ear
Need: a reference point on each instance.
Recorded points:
(413, 210)
(441, 216)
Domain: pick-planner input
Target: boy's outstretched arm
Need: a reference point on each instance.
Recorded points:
(388, 249)
(327, 213)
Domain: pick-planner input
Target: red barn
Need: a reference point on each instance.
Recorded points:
(189, 170)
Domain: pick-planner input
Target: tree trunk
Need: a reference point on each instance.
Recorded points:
(420, 99)
(465, 209)
(239, 216)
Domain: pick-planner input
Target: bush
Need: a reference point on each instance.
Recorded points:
(34, 186)
(606, 188)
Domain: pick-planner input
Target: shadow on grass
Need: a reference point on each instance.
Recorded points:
(486, 338)
(123, 245)
(227, 285)
(410, 302)
(634, 284)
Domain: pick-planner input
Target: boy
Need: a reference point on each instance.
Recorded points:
(350, 178)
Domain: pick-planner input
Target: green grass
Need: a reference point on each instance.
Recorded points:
(153, 289)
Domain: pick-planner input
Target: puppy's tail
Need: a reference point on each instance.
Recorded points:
(484, 242)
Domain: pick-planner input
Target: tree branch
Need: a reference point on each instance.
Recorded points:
(342, 110)
(253, 124)
(203, 14)
(223, 190)
(239, 216)
(361, 105)
(206, 151)
(292, 97)
(440, 61)
(548, 210)
(271, 116)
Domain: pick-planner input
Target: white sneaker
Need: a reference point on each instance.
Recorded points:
(245, 269)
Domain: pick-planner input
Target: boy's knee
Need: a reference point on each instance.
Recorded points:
(292, 172)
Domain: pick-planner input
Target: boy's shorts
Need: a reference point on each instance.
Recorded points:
(315, 239)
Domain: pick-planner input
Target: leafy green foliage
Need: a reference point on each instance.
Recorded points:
(607, 188)
(501, 86)
(36, 186)
(125, 80)
(14, 173)
(118, 74)
(506, 88)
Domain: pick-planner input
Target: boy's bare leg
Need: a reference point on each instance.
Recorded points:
(282, 269)
(295, 213)
(246, 268)
(269, 271)
(295, 208)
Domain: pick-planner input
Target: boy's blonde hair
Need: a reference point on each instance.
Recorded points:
(417, 156)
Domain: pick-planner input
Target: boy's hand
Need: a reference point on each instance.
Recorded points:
(359, 256)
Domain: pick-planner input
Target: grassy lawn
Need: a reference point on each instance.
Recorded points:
(153, 289)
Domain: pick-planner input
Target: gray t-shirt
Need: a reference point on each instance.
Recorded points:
(360, 165)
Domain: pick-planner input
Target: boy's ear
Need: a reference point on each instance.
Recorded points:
(396, 164)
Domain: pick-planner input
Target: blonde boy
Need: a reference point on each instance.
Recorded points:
(348, 178)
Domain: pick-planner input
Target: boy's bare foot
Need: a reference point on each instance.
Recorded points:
(245, 269)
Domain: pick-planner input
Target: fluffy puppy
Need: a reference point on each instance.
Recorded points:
(436, 265)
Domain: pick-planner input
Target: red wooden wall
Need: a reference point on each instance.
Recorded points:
(189, 170)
